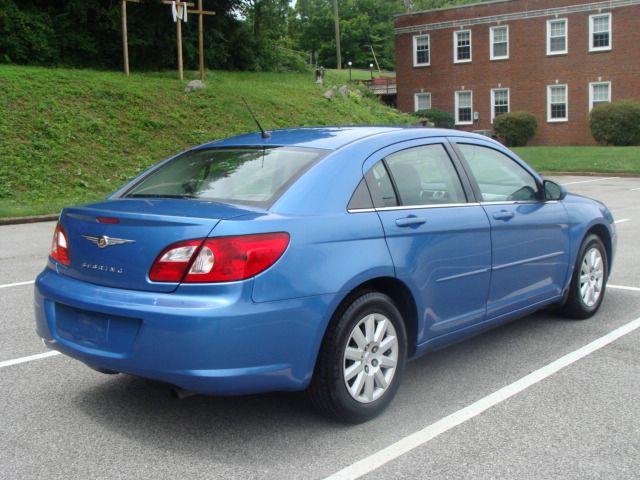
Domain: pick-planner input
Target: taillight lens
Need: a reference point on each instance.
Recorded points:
(60, 246)
(222, 259)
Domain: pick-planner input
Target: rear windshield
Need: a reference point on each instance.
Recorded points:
(251, 176)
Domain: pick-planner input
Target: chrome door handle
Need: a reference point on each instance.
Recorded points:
(503, 215)
(410, 221)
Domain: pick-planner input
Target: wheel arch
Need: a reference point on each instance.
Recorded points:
(402, 298)
(602, 232)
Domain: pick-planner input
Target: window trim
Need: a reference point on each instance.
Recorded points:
(566, 36)
(416, 103)
(455, 46)
(491, 43)
(493, 101)
(415, 50)
(591, 85)
(591, 32)
(566, 102)
(457, 118)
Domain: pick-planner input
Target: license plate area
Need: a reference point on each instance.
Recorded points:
(100, 331)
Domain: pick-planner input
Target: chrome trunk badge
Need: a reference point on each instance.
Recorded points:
(104, 241)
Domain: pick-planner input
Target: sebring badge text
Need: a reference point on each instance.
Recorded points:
(102, 268)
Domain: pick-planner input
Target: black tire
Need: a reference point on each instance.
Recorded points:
(575, 306)
(328, 389)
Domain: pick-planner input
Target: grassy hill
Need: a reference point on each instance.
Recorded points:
(71, 136)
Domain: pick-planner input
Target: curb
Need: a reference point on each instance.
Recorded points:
(34, 219)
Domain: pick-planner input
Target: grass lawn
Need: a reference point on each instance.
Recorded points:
(624, 160)
(72, 136)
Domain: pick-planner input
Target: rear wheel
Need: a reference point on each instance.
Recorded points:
(589, 280)
(361, 360)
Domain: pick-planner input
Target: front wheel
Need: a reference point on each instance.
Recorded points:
(361, 360)
(589, 280)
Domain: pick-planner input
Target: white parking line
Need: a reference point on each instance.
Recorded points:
(410, 442)
(634, 189)
(30, 358)
(623, 287)
(622, 220)
(8, 285)
(591, 181)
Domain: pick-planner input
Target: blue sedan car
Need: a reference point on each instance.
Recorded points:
(316, 258)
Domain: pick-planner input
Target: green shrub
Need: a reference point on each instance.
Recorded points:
(515, 129)
(439, 118)
(616, 123)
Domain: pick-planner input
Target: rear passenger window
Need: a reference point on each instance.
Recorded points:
(425, 176)
(360, 199)
(380, 186)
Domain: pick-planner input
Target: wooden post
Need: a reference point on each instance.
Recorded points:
(125, 39)
(179, 19)
(200, 12)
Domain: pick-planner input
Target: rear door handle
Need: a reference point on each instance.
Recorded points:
(410, 221)
(503, 215)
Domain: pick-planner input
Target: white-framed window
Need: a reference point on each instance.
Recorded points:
(600, 32)
(499, 102)
(422, 101)
(462, 46)
(499, 39)
(464, 107)
(557, 103)
(599, 93)
(421, 51)
(557, 36)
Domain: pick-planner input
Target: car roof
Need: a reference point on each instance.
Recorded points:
(327, 137)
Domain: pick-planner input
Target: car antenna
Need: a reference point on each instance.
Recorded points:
(265, 134)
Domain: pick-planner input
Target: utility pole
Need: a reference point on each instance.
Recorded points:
(337, 17)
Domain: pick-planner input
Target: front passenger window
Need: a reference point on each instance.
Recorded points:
(499, 178)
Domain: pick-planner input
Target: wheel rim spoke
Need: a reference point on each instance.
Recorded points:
(380, 380)
(388, 343)
(388, 362)
(356, 388)
(358, 337)
(370, 328)
(354, 354)
(352, 371)
(368, 387)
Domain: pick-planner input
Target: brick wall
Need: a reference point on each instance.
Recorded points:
(528, 71)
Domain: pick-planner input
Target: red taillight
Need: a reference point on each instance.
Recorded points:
(222, 259)
(60, 246)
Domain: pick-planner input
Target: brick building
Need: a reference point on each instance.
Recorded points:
(553, 58)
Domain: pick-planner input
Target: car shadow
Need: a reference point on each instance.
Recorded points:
(434, 386)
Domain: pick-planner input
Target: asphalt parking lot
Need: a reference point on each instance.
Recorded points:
(539, 398)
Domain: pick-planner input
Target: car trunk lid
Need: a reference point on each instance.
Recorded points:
(114, 243)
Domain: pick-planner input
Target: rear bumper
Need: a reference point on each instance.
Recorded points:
(222, 343)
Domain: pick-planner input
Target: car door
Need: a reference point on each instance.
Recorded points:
(438, 240)
(529, 236)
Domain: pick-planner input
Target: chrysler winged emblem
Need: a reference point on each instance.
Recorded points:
(104, 241)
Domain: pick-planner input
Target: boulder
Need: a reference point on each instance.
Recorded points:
(194, 85)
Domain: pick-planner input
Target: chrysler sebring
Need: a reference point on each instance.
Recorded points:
(316, 259)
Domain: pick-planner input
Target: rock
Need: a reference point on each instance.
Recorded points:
(195, 85)
(344, 91)
(329, 94)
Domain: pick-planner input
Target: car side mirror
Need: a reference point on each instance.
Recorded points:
(554, 191)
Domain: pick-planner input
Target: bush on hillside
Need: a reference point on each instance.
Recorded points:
(515, 129)
(616, 123)
(439, 118)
